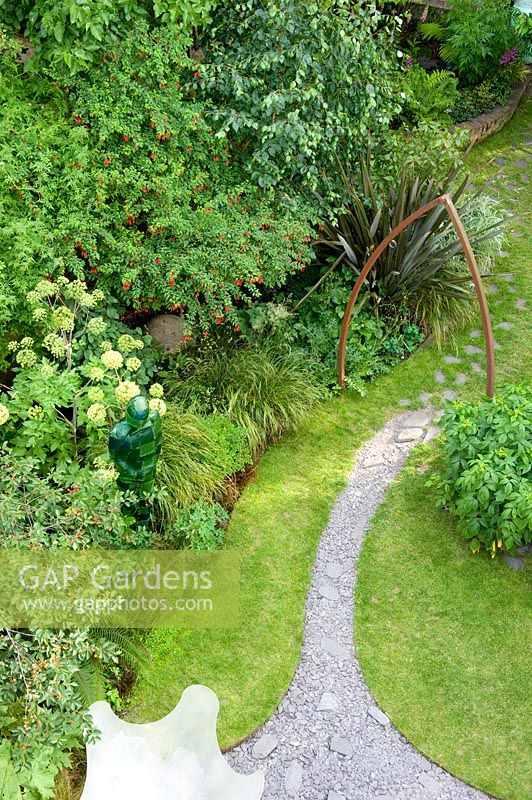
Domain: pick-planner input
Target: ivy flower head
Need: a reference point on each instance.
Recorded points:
(126, 391)
(36, 412)
(157, 404)
(43, 290)
(97, 326)
(12, 346)
(97, 414)
(97, 374)
(39, 314)
(26, 358)
(55, 344)
(4, 414)
(106, 345)
(127, 343)
(156, 390)
(133, 364)
(112, 359)
(63, 318)
(46, 369)
(95, 394)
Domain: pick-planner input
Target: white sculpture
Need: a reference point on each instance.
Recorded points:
(176, 758)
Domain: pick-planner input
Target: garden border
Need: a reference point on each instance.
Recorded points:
(485, 125)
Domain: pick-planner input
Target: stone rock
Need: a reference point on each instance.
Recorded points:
(508, 277)
(439, 377)
(513, 562)
(328, 592)
(334, 795)
(419, 419)
(334, 648)
(166, 330)
(476, 367)
(374, 460)
(493, 288)
(409, 435)
(522, 162)
(334, 569)
(378, 715)
(294, 778)
(449, 395)
(341, 745)
(425, 397)
(405, 402)
(328, 702)
(496, 345)
(472, 350)
(504, 326)
(264, 746)
(431, 434)
(451, 360)
(461, 378)
(520, 303)
(475, 334)
(500, 162)
(429, 782)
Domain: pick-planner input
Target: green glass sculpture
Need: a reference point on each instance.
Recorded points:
(135, 445)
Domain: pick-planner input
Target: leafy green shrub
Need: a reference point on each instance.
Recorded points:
(200, 527)
(421, 265)
(429, 95)
(299, 83)
(135, 193)
(485, 472)
(71, 35)
(475, 35)
(264, 388)
(476, 100)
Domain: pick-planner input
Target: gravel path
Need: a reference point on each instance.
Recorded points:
(328, 740)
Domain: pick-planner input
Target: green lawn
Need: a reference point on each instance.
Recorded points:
(444, 636)
(277, 523)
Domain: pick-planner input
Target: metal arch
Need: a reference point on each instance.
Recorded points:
(446, 201)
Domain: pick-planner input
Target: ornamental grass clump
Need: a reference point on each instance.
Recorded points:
(484, 476)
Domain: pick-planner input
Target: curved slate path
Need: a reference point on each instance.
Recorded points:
(328, 740)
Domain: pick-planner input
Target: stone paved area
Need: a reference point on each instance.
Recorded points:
(328, 740)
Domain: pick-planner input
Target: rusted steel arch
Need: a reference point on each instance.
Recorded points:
(446, 201)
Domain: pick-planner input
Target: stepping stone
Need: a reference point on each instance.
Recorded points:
(512, 187)
(520, 304)
(329, 702)
(334, 795)
(517, 234)
(431, 434)
(493, 288)
(420, 419)
(449, 395)
(341, 745)
(405, 402)
(504, 326)
(512, 289)
(374, 460)
(334, 648)
(328, 592)
(378, 715)
(475, 367)
(475, 334)
(424, 397)
(409, 435)
(334, 569)
(496, 345)
(508, 277)
(461, 378)
(471, 350)
(500, 162)
(451, 360)
(264, 746)
(513, 562)
(522, 162)
(294, 778)
(504, 254)
(429, 782)
(439, 377)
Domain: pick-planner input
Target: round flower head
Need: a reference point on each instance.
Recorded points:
(63, 318)
(43, 289)
(156, 390)
(97, 414)
(4, 414)
(26, 342)
(46, 369)
(95, 394)
(97, 374)
(26, 358)
(112, 359)
(36, 412)
(126, 391)
(55, 344)
(108, 474)
(133, 364)
(96, 326)
(39, 314)
(156, 404)
(12, 346)
(106, 345)
(98, 296)
(127, 343)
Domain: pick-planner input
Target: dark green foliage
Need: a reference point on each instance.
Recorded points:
(420, 267)
(200, 527)
(299, 83)
(430, 96)
(265, 389)
(476, 100)
(485, 472)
